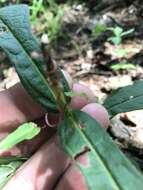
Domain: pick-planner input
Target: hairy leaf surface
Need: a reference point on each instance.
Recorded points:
(24, 51)
(107, 168)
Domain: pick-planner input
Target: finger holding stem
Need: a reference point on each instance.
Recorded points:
(43, 169)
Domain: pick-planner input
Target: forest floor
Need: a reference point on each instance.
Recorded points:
(82, 47)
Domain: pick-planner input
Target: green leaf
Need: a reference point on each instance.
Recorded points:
(107, 168)
(128, 32)
(8, 167)
(115, 40)
(99, 29)
(125, 99)
(24, 51)
(26, 131)
(7, 159)
(118, 31)
(7, 171)
(123, 66)
(121, 52)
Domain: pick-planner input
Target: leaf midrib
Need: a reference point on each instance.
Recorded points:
(122, 102)
(91, 145)
(31, 60)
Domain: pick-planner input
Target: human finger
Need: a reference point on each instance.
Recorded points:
(46, 161)
(18, 107)
(83, 96)
(98, 112)
(73, 178)
(42, 170)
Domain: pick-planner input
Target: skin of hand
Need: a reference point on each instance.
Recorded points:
(48, 168)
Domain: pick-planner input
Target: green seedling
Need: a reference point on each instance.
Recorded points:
(107, 168)
(118, 34)
(119, 52)
(98, 30)
(123, 66)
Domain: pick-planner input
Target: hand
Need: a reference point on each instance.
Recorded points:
(49, 168)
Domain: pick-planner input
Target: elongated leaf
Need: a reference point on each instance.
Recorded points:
(125, 99)
(107, 167)
(26, 131)
(128, 32)
(24, 51)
